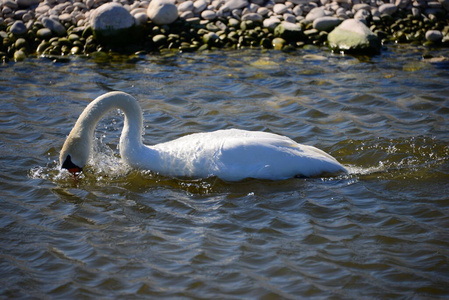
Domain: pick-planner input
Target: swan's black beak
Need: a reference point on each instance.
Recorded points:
(70, 166)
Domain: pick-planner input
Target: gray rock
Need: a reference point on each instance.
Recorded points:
(208, 15)
(357, 7)
(199, 6)
(10, 3)
(434, 36)
(27, 3)
(113, 24)
(234, 4)
(289, 31)
(362, 15)
(315, 13)
(289, 18)
(401, 4)
(111, 17)
(271, 23)
(388, 9)
(18, 28)
(280, 8)
(353, 36)
(297, 10)
(252, 17)
(162, 12)
(141, 18)
(263, 11)
(185, 6)
(326, 23)
(186, 15)
(445, 4)
(54, 26)
(44, 34)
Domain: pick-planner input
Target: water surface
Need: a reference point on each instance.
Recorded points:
(379, 232)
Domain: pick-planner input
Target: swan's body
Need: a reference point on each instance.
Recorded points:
(228, 154)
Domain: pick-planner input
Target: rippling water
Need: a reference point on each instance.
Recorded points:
(380, 232)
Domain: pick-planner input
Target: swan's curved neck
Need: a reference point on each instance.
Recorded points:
(93, 113)
(79, 142)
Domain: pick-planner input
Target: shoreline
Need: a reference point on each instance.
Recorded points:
(53, 28)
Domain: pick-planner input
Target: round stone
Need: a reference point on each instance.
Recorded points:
(162, 12)
(44, 33)
(208, 15)
(18, 28)
(434, 36)
(111, 17)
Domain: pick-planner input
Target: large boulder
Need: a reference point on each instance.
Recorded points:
(113, 24)
(352, 36)
(162, 12)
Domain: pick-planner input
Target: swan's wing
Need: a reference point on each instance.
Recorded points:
(272, 157)
(237, 154)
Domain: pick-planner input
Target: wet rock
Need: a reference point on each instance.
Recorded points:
(162, 12)
(19, 55)
(278, 43)
(354, 37)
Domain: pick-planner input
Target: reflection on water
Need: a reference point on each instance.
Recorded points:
(380, 231)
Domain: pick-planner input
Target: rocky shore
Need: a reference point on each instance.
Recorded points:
(60, 28)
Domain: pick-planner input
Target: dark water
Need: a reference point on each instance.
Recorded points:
(380, 232)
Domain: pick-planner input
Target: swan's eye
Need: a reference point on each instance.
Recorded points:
(70, 166)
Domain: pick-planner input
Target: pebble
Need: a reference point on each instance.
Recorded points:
(326, 23)
(162, 12)
(279, 8)
(230, 5)
(388, 9)
(18, 28)
(271, 23)
(252, 17)
(315, 13)
(54, 26)
(434, 36)
(199, 6)
(208, 15)
(44, 33)
(185, 6)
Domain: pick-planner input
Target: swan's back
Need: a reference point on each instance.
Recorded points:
(237, 154)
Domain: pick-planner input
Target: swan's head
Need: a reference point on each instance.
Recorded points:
(75, 153)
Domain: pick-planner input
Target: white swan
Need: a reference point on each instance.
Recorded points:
(230, 154)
